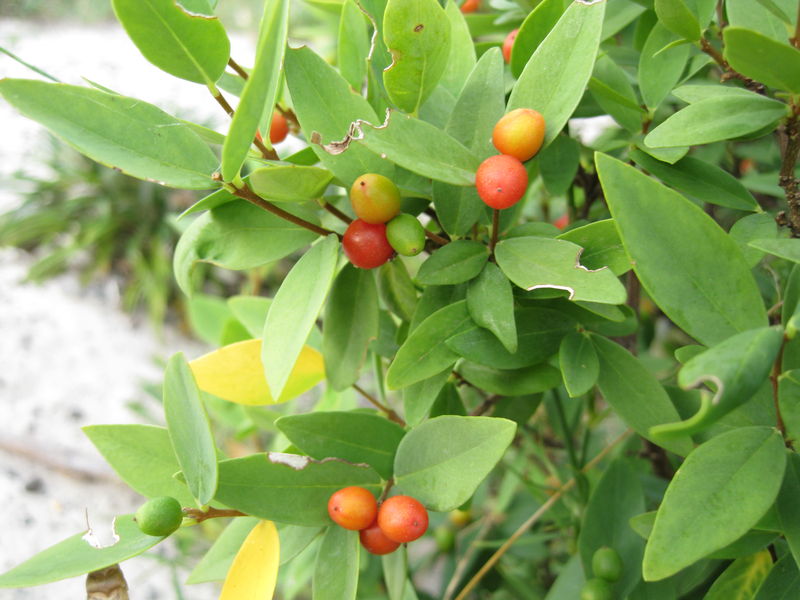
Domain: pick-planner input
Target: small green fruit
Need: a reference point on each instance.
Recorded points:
(406, 235)
(607, 564)
(445, 538)
(597, 589)
(159, 516)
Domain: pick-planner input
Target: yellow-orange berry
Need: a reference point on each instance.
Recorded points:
(520, 133)
(508, 45)
(279, 128)
(353, 508)
(375, 198)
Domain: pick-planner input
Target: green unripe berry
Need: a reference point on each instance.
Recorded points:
(159, 516)
(406, 235)
(445, 538)
(607, 564)
(597, 589)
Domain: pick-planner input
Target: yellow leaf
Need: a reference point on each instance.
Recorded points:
(235, 373)
(254, 571)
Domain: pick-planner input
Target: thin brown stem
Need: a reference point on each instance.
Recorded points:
(393, 416)
(436, 239)
(727, 71)
(211, 513)
(336, 212)
(247, 194)
(485, 406)
(265, 152)
(789, 136)
(774, 377)
(495, 229)
(796, 39)
(386, 489)
(239, 70)
(522, 529)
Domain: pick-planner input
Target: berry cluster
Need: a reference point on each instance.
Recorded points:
(502, 179)
(383, 528)
(380, 229)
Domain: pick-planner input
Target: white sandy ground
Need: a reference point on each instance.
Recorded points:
(68, 356)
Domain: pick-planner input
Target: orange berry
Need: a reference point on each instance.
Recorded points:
(279, 128)
(470, 6)
(508, 44)
(375, 541)
(353, 507)
(562, 221)
(402, 518)
(501, 181)
(520, 133)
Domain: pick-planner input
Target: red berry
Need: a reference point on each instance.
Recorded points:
(375, 541)
(508, 44)
(279, 128)
(470, 6)
(562, 221)
(402, 518)
(501, 181)
(366, 245)
(353, 507)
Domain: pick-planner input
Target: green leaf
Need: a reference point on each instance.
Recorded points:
(423, 354)
(688, 265)
(336, 567)
(456, 262)
(786, 505)
(294, 539)
(534, 263)
(215, 563)
(490, 302)
(124, 133)
(617, 498)
(635, 394)
(353, 47)
(783, 248)
(511, 382)
(238, 236)
(75, 556)
(294, 311)
(619, 15)
(699, 180)
(762, 58)
(717, 119)
(260, 90)
(418, 398)
(143, 457)
(288, 488)
(350, 323)
(579, 364)
(758, 226)
(558, 164)
(189, 429)
(395, 568)
(417, 34)
(602, 246)
(759, 17)
(676, 16)
(569, 582)
(397, 290)
(356, 437)
(742, 579)
(461, 59)
(442, 461)
(614, 93)
(737, 368)
(290, 183)
(539, 22)
(421, 148)
(564, 60)
(660, 71)
(251, 311)
(783, 581)
(477, 110)
(189, 44)
(722, 489)
(326, 104)
(539, 333)
(208, 316)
